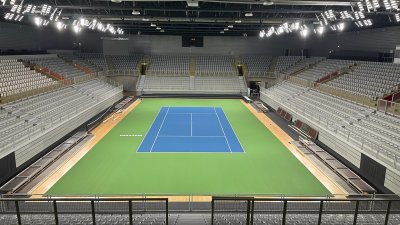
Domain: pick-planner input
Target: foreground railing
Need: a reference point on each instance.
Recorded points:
(388, 107)
(249, 210)
(83, 210)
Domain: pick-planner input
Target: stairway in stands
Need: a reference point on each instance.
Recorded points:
(192, 66)
(193, 219)
(110, 64)
(272, 65)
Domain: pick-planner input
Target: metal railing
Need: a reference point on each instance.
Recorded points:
(247, 210)
(88, 210)
(388, 107)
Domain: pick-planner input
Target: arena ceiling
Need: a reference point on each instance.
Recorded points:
(210, 17)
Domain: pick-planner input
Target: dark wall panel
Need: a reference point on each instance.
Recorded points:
(374, 40)
(7, 167)
(14, 36)
(372, 170)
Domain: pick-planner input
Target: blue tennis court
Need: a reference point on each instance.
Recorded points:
(190, 129)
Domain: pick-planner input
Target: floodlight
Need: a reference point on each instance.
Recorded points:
(6, 16)
(238, 21)
(76, 29)
(145, 19)
(230, 26)
(369, 5)
(340, 26)
(248, 14)
(397, 17)
(3, 2)
(387, 5)
(153, 25)
(12, 2)
(14, 8)
(226, 29)
(375, 4)
(158, 28)
(38, 21)
(135, 12)
(221, 32)
(262, 34)
(394, 4)
(162, 31)
(304, 32)
(27, 9)
(360, 6)
(320, 30)
(20, 18)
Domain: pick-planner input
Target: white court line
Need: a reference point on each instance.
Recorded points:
(191, 113)
(148, 130)
(190, 136)
(237, 137)
(159, 129)
(191, 125)
(223, 130)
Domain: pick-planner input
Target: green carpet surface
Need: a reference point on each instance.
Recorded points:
(114, 167)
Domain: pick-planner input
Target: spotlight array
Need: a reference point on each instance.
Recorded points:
(45, 14)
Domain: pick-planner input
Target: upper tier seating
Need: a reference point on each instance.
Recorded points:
(257, 65)
(47, 117)
(215, 65)
(325, 68)
(79, 60)
(97, 59)
(371, 79)
(193, 84)
(359, 128)
(125, 62)
(302, 64)
(15, 78)
(58, 66)
(169, 65)
(284, 62)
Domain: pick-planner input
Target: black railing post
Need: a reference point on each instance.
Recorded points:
(212, 211)
(252, 212)
(130, 212)
(284, 212)
(18, 212)
(55, 212)
(388, 212)
(93, 212)
(356, 212)
(166, 211)
(248, 212)
(321, 206)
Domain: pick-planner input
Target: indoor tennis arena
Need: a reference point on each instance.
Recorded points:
(200, 112)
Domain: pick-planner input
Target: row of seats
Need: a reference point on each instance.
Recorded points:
(187, 84)
(29, 117)
(214, 65)
(167, 64)
(58, 66)
(284, 62)
(302, 64)
(324, 68)
(79, 60)
(97, 59)
(257, 65)
(371, 79)
(15, 78)
(374, 131)
(123, 62)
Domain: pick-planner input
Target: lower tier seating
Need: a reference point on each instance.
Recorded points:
(28, 126)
